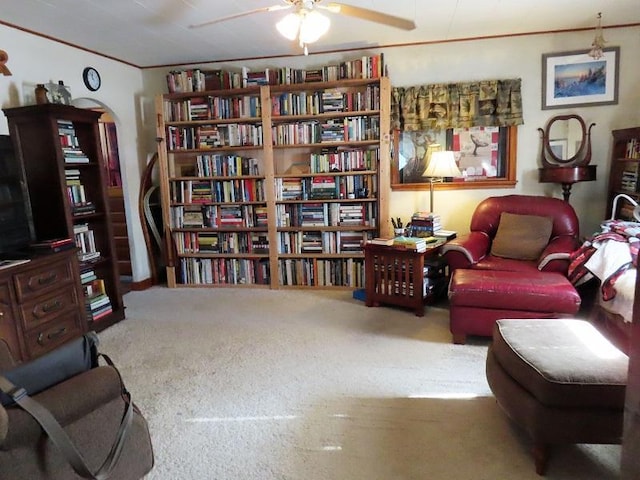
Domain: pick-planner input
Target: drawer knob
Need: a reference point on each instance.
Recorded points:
(48, 279)
(42, 339)
(52, 306)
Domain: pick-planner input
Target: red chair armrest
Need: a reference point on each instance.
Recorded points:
(467, 250)
(555, 256)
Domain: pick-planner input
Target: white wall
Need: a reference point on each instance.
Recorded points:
(33, 60)
(489, 59)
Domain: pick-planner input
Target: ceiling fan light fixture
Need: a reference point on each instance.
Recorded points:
(289, 26)
(313, 25)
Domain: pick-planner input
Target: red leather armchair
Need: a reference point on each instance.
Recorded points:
(488, 286)
(473, 250)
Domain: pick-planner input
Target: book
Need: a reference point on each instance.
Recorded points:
(446, 234)
(382, 241)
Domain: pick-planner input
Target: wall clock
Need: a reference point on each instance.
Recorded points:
(91, 78)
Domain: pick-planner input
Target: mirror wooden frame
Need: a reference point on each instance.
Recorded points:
(582, 155)
(507, 181)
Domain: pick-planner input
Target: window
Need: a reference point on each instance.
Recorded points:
(486, 157)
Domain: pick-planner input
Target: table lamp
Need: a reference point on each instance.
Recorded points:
(441, 165)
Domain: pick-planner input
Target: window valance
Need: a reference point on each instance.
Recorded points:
(483, 103)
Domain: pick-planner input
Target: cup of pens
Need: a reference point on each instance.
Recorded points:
(398, 228)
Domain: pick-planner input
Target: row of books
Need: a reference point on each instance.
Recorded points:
(224, 271)
(221, 242)
(347, 129)
(633, 149)
(325, 101)
(216, 165)
(212, 108)
(86, 243)
(70, 144)
(219, 216)
(326, 214)
(76, 193)
(315, 272)
(207, 191)
(197, 80)
(317, 242)
(213, 136)
(323, 187)
(344, 159)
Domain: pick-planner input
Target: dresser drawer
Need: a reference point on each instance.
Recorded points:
(51, 335)
(40, 310)
(36, 282)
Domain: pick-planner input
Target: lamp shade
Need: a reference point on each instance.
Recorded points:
(442, 164)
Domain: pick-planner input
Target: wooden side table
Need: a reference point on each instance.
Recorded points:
(396, 276)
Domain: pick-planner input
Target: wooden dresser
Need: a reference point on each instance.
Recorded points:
(41, 304)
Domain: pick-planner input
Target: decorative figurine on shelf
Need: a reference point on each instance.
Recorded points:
(41, 94)
(59, 93)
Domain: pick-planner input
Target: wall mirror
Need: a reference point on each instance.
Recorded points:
(566, 152)
(566, 141)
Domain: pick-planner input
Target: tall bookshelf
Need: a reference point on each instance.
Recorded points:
(59, 149)
(310, 185)
(624, 174)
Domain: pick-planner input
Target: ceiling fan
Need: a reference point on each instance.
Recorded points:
(307, 24)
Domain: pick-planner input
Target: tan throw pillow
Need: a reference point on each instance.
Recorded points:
(522, 237)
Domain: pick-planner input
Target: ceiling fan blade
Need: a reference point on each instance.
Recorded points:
(273, 8)
(371, 15)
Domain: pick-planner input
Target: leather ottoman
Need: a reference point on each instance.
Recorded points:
(560, 380)
(477, 298)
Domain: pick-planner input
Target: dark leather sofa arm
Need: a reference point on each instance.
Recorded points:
(68, 401)
(555, 257)
(466, 250)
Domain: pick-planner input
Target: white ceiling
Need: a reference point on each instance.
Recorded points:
(149, 33)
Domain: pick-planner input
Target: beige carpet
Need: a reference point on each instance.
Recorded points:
(245, 384)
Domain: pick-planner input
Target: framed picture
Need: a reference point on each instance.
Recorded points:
(574, 79)
(559, 147)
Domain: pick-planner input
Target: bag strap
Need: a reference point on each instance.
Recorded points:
(60, 438)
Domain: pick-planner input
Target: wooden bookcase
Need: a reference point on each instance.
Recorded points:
(59, 149)
(316, 187)
(624, 174)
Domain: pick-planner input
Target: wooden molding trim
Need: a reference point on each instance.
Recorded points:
(143, 285)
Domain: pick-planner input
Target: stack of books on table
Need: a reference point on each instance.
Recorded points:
(425, 224)
(387, 241)
(418, 244)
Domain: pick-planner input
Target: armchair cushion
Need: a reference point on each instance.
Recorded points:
(521, 237)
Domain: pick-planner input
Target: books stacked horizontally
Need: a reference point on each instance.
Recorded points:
(418, 244)
(70, 144)
(427, 224)
(53, 245)
(386, 241)
(97, 303)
